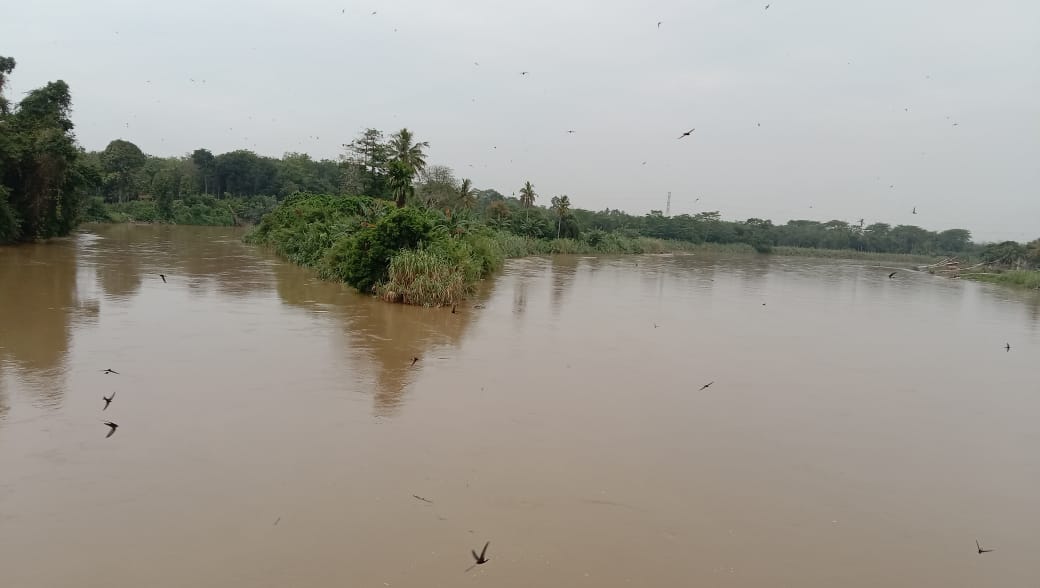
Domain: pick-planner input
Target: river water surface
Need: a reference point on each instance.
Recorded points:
(860, 431)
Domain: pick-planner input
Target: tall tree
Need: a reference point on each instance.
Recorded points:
(438, 188)
(400, 182)
(467, 195)
(527, 195)
(367, 158)
(121, 160)
(39, 163)
(205, 165)
(407, 159)
(560, 205)
(404, 148)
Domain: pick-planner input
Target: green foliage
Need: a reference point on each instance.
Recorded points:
(10, 224)
(41, 176)
(1024, 278)
(121, 161)
(1006, 254)
(191, 210)
(362, 259)
(426, 277)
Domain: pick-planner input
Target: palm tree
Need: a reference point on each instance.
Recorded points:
(399, 179)
(527, 195)
(403, 148)
(467, 196)
(560, 204)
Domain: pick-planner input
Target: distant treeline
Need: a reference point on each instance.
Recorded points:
(49, 184)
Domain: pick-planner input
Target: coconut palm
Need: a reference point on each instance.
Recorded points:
(405, 149)
(467, 195)
(560, 205)
(527, 195)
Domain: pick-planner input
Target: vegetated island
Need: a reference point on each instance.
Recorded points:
(421, 236)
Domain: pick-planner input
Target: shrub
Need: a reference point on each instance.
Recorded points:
(362, 259)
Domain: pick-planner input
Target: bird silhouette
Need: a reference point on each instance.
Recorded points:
(111, 428)
(571, 132)
(108, 400)
(414, 359)
(658, 24)
(416, 496)
(163, 276)
(1007, 346)
(109, 371)
(892, 275)
(706, 385)
(524, 73)
(981, 550)
(767, 7)
(480, 558)
(373, 12)
(687, 133)
(914, 211)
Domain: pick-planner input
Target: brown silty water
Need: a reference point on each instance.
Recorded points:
(860, 431)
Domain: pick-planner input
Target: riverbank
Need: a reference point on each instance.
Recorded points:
(425, 257)
(1018, 278)
(200, 210)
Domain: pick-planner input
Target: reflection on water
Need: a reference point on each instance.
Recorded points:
(39, 305)
(378, 338)
(876, 424)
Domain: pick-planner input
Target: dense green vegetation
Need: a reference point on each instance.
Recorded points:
(189, 210)
(41, 175)
(411, 254)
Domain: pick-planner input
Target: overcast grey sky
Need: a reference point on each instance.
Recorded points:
(852, 97)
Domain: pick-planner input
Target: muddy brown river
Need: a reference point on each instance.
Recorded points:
(860, 431)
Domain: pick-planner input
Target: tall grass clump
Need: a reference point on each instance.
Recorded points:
(1021, 278)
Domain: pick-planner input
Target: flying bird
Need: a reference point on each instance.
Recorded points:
(109, 371)
(108, 400)
(524, 73)
(421, 498)
(1007, 346)
(163, 276)
(644, 163)
(706, 385)
(480, 558)
(767, 7)
(373, 12)
(914, 211)
(981, 550)
(414, 359)
(892, 275)
(658, 24)
(111, 428)
(687, 133)
(571, 132)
